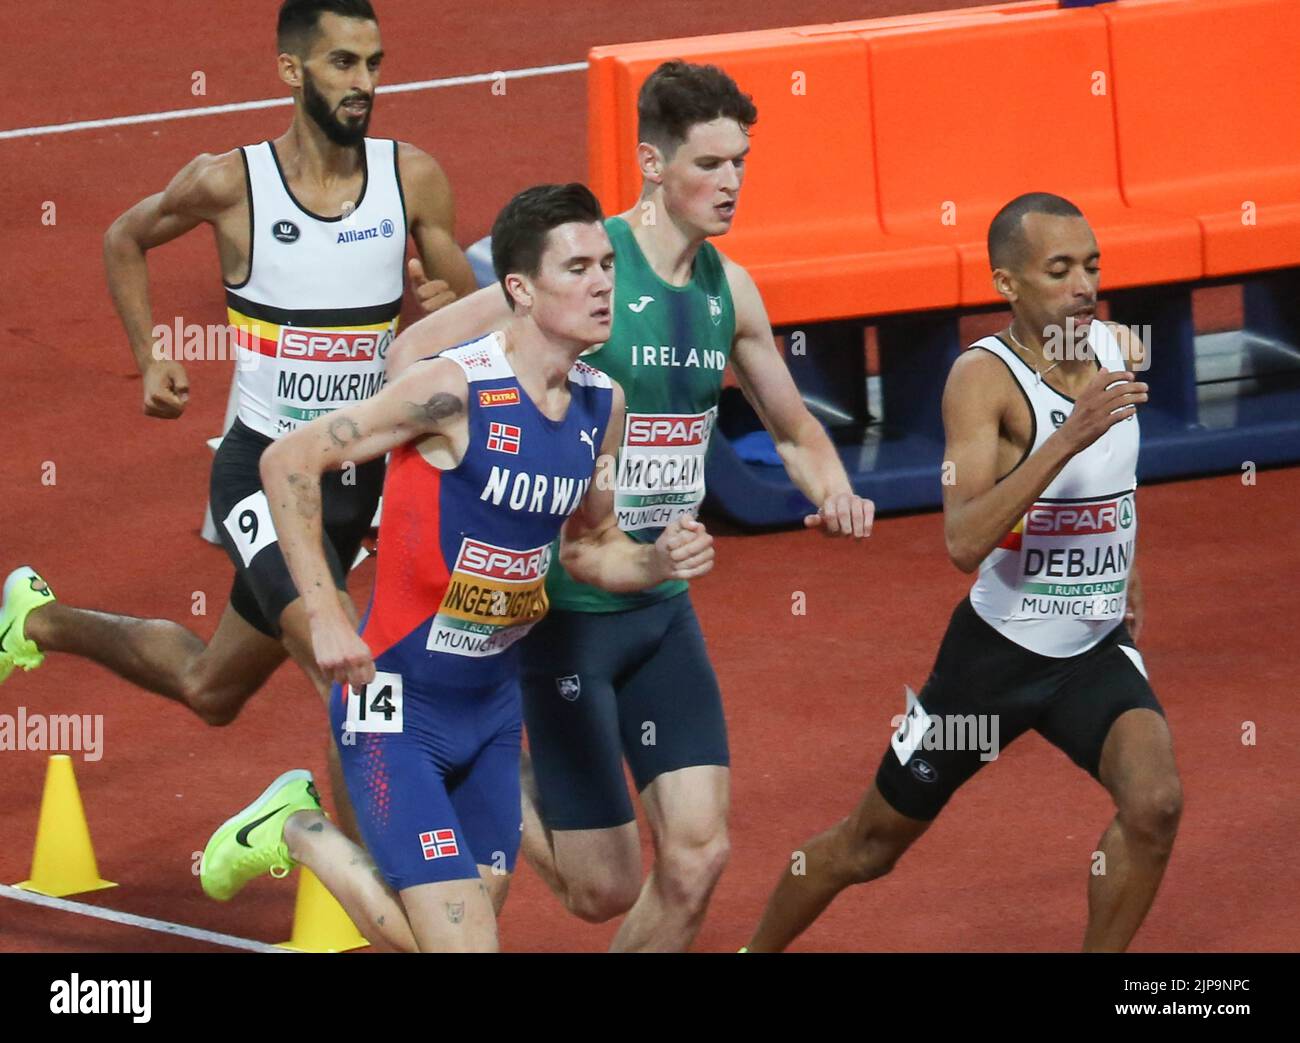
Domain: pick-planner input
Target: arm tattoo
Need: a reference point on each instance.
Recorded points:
(342, 431)
(306, 494)
(439, 407)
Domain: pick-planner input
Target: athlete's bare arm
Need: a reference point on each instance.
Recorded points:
(427, 403)
(210, 189)
(482, 312)
(807, 452)
(441, 274)
(595, 550)
(1135, 611)
(978, 509)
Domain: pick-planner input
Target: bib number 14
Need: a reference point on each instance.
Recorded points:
(376, 707)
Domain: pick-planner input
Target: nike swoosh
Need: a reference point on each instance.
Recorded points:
(241, 838)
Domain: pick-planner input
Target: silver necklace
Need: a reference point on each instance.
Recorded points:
(1038, 374)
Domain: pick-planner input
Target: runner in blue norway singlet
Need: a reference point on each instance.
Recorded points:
(430, 748)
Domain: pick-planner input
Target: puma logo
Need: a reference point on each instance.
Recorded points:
(590, 439)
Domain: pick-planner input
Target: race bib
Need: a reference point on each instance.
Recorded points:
(376, 707)
(1075, 558)
(911, 729)
(493, 598)
(249, 526)
(661, 467)
(320, 371)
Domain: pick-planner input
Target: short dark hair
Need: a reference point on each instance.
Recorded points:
(679, 95)
(520, 230)
(1006, 230)
(299, 20)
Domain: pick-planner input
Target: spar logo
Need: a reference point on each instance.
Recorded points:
(502, 563)
(1078, 519)
(673, 431)
(334, 345)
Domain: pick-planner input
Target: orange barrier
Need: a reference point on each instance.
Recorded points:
(807, 228)
(617, 72)
(967, 118)
(1207, 111)
(900, 21)
(884, 147)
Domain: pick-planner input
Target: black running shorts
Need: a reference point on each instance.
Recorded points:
(986, 690)
(599, 687)
(263, 587)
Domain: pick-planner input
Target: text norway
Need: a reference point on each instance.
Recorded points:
(528, 491)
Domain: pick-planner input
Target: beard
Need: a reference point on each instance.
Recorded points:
(329, 120)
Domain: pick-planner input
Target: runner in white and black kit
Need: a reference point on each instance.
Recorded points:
(311, 229)
(1042, 435)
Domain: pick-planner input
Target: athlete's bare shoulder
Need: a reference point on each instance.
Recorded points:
(978, 383)
(751, 313)
(420, 172)
(975, 365)
(434, 375)
(207, 186)
(735, 272)
(437, 385)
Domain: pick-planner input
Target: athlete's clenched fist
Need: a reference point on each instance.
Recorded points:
(166, 389)
(684, 549)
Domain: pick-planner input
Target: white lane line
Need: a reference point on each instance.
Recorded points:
(131, 920)
(271, 103)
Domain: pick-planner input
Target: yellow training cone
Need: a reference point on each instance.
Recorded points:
(319, 922)
(64, 861)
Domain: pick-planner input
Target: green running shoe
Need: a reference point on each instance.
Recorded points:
(252, 842)
(24, 590)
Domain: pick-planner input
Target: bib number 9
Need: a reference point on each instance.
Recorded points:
(376, 707)
(249, 526)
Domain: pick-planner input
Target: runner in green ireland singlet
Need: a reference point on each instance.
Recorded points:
(668, 347)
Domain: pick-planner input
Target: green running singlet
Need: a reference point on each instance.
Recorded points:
(668, 346)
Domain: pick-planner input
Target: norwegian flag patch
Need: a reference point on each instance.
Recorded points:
(439, 843)
(503, 438)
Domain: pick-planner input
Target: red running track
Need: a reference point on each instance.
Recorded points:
(809, 697)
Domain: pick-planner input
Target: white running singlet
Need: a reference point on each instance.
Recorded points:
(1057, 582)
(314, 319)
